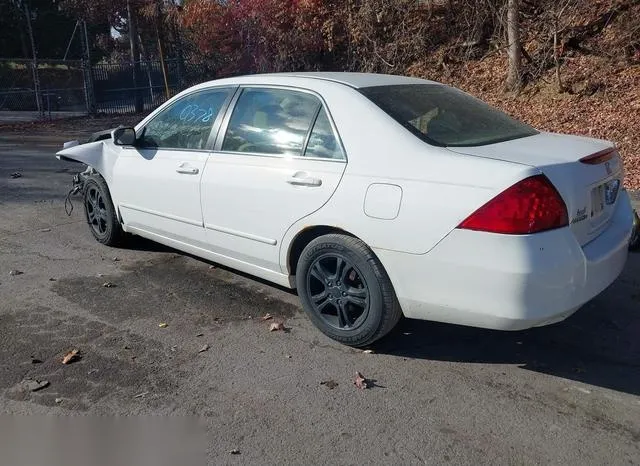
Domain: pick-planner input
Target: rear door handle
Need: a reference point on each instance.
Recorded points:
(302, 179)
(185, 169)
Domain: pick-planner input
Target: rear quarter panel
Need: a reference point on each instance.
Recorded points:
(439, 188)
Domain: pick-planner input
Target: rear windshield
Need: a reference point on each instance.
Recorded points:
(445, 116)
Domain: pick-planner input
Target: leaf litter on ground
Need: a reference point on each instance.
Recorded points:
(361, 382)
(276, 326)
(330, 384)
(71, 356)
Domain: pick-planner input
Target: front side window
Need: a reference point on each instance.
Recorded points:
(270, 121)
(445, 116)
(323, 142)
(186, 124)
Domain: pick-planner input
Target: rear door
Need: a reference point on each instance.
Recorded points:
(158, 181)
(277, 159)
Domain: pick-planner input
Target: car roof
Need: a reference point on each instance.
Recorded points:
(352, 79)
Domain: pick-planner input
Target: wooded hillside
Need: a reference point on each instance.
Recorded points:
(579, 60)
(561, 65)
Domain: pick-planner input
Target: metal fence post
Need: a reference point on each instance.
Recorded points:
(87, 73)
(89, 95)
(34, 63)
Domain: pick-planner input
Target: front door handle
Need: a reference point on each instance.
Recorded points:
(185, 169)
(303, 179)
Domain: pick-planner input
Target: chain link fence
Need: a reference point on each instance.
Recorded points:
(51, 88)
(44, 87)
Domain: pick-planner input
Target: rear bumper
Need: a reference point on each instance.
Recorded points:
(509, 282)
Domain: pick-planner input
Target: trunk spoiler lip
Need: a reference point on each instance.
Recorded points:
(599, 157)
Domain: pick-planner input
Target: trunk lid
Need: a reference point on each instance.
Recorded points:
(590, 190)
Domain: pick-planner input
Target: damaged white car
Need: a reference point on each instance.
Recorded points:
(375, 196)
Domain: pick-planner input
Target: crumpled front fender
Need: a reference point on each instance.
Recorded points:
(100, 155)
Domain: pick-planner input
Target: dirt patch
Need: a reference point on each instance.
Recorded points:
(177, 290)
(106, 368)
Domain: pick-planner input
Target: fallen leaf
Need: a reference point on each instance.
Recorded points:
(109, 285)
(267, 316)
(71, 356)
(330, 384)
(45, 230)
(203, 349)
(235, 451)
(367, 351)
(141, 395)
(14, 273)
(163, 325)
(274, 327)
(361, 382)
(35, 385)
(15, 175)
(174, 347)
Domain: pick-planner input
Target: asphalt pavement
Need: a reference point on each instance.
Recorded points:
(178, 337)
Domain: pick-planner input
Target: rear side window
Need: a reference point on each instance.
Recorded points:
(270, 121)
(444, 116)
(323, 142)
(185, 124)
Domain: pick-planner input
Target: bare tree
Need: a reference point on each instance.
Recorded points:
(135, 56)
(514, 51)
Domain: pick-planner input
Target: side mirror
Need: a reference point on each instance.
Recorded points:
(124, 136)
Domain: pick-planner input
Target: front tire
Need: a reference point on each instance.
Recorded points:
(100, 213)
(345, 291)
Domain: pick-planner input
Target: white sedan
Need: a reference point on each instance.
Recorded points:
(375, 196)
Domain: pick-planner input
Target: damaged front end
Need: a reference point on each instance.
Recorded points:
(77, 184)
(93, 153)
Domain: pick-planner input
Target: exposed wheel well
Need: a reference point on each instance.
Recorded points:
(305, 237)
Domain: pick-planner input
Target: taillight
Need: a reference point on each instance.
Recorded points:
(529, 206)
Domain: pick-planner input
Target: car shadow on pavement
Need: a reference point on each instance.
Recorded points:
(598, 345)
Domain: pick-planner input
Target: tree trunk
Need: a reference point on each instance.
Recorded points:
(135, 57)
(556, 58)
(514, 76)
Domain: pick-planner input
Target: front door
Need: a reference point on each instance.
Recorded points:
(277, 160)
(157, 182)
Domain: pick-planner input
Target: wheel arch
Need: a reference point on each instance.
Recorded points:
(304, 237)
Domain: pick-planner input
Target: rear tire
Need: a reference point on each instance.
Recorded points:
(100, 212)
(345, 290)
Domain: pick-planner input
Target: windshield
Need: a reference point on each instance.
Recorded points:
(445, 116)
